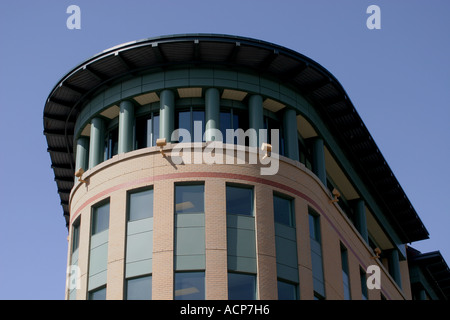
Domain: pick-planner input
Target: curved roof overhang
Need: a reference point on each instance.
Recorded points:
(309, 78)
(435, 269)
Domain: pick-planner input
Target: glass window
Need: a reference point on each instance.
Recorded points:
(241, 286)
(283, 212)
(363, 278)
(189, 198)
(112, 143)
(97, 294)
(140, 205)
(139, 288)
(345, 275)
(225, 122)
(269, 124)
(75, 235)
(198, 116)
(147, 131)
(100, 218)
(287, 290)
(233, 119)
(184, 122)
(239, 200)
(314, 227)
(189, 286)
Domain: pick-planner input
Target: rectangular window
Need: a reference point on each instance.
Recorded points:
(189, 198)
(97, 294)
(233, 119)
(239, 200)
(111, 143)
(285, 245)
(287, 290)
(316, 254)
(75, 235)
(139, 288)
(363, 278)
(186, 120)
(189, 285)
(241, 286)
(100, 218)
(147, 130)
(283, 212)
(98, 251)
(140, 205)
(314, 227)
(189, 223)
(139, 241)
(345, 272)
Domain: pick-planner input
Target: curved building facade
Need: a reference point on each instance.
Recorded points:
(220, 167)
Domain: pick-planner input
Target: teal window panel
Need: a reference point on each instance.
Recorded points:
(139, 247)
(241, 243)
(153, 78)
(286, 257)
(153, 86)
(224, 83)
(133, 83)
(189, 236)
(226, 75)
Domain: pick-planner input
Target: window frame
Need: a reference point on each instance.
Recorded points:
(93, 213)
(139, 190)
(241, 186)
(291, 201)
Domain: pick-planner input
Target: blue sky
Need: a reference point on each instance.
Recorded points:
(397, 77)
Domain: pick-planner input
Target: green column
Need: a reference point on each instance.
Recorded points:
(318, 154)
(126, 122)
(255, 115)
(212, 111)
(82, 160)
(290, 134)
(97, 142)
(166, 114)
(422, 294)
(360, 218)
(394, 266)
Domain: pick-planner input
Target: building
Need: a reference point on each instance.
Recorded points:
(143, 224)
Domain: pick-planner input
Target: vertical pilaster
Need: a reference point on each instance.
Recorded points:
(394, 266)
(215, 241)
(163, 241)
(290, 134)
(361, 222)
(265, 244)
(116, 246)
(82, 160)
(97, 142)
(126, 121)
(166, 114)
(212, 112)
(256, 119)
